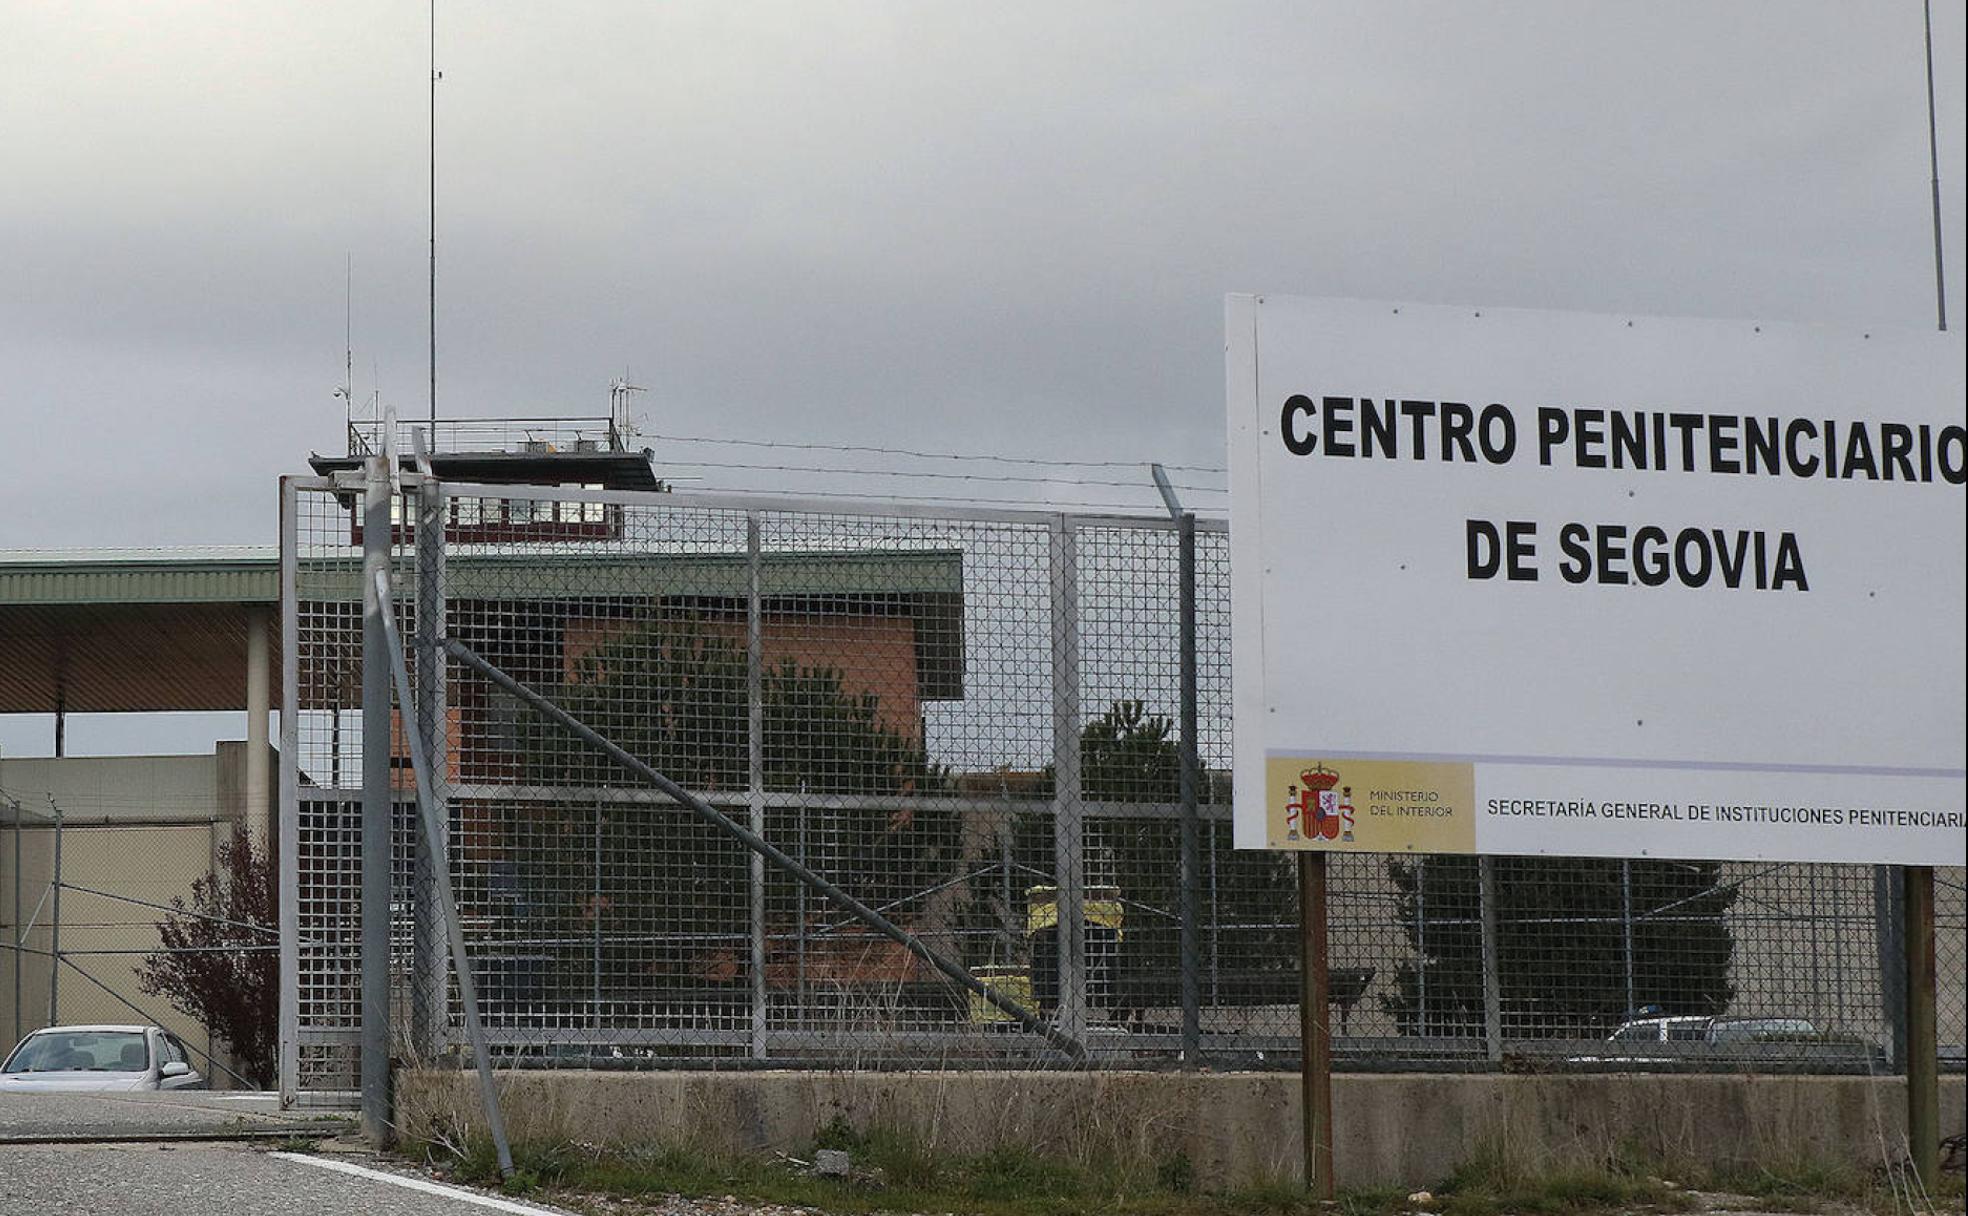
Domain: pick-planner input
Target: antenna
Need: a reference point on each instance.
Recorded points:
(346, 390)
(435, 76)
(618, 406)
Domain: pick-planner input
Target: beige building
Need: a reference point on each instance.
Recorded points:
(135, 832)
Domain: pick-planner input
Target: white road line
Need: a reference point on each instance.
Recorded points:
(419, 1184)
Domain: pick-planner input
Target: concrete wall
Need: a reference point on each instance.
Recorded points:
(1405, 1130)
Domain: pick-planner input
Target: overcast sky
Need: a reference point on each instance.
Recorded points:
(1003, 228)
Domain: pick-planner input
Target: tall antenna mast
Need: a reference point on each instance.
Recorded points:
(435, 76)
(348, 328)
(1934, 169)
(346, 390)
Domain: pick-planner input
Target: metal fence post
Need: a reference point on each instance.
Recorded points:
(1068, 837)
(1492, 976)
(20, 932)
(376, 747)
(1626, 936)
(755, 768)
(1888, 901)
(1189, 865)
(430, 1004)
(1421, 945)
(1922, 1074)
(287, 888)
(54, 925)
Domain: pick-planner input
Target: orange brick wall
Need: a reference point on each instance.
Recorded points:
(873, 654)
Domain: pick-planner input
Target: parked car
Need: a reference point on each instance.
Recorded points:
(1716, 1030)
(101, 1058)
(1667, 1041)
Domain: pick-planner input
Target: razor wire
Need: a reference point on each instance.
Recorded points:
(965, 720)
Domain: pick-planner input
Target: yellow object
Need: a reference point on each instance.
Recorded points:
(1102, 909)
(1012, 983)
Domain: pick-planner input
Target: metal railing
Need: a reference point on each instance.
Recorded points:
(546, 435)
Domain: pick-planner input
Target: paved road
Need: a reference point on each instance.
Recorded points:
(180, 1113)
(191, 1179)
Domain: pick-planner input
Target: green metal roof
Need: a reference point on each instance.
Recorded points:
(252, 576)
(242, 575)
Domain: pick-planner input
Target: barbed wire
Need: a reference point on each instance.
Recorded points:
(926, 455)
(1016, 504)
(990, 477)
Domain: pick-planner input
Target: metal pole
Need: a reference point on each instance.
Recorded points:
(1216, 917)
(595, 947)
(755, 767)
(1315, 1025)
(1934, 169)
(799, 909)
(1192, 1018)
(429, 1008)
(287, 842)
(1068, 837)
(594, 905)
(376, 747)
(1888, 917)
(772, 853)
(1486, 896)
(1626, 934)
(1189, 874)
(20, 932)
(1421, 946)
(1923, 1075)
(428, 816)
(435, 76)
(54, 926)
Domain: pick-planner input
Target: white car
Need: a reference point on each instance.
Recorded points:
(100, 1058)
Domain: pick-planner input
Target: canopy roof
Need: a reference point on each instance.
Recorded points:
(145, 631)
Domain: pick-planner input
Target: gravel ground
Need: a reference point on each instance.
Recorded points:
(193, 1179)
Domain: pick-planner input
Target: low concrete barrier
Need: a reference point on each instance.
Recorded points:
(1235, 1128)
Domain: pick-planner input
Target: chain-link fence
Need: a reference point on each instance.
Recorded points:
(955, 737)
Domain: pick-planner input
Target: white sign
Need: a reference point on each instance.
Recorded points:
(1527, 582)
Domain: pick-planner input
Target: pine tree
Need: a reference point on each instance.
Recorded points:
(1561, 944)
(673, 891)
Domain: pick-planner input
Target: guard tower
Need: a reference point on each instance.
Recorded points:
(592, 452)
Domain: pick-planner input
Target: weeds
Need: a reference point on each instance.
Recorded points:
(895, 1171)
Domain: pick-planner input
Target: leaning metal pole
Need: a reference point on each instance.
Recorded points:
(428, 995)
(771, 852)
(430, 814)
(375, 806)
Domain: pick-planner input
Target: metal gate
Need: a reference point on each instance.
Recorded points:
(967, 721)
(897, 699)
